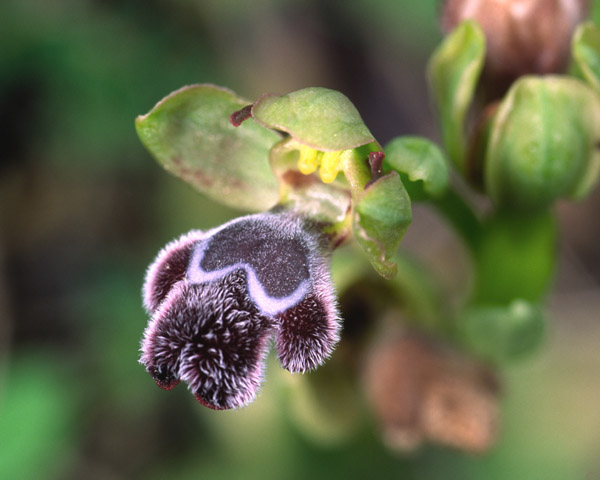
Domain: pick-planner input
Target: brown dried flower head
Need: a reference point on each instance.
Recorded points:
(523, 36)
(420, 391)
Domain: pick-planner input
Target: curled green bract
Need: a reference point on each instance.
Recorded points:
(316, 117)
(586, 53)
(382, 213)
(453, 72)
(189, 133)
(421, 163)
(543, 143)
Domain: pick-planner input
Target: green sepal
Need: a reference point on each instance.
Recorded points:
(382, 213)
(421, 165)
(543, 143)
(190, 135)
(453, 71)
(503, 333)
(317, 117)
(586, 53)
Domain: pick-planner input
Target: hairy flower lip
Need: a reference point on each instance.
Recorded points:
(215, 324)
(162, 274)
(175, 342)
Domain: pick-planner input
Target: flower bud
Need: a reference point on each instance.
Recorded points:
(523, 36)
(216, 298)
(543, 143)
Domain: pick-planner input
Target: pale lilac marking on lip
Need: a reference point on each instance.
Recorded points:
(266, 304)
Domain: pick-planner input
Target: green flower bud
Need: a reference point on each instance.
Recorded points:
(500, 334)
(543, 143)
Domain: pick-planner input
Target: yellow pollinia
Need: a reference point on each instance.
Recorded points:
(330, 163)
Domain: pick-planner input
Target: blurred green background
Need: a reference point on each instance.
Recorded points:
(84, 208)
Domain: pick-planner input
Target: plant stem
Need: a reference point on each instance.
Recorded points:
(461, 216)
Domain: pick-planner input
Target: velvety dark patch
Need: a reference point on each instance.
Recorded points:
(280, 262)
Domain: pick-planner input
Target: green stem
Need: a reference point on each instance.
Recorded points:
(461, 216)
(515, 258)
(421, 294)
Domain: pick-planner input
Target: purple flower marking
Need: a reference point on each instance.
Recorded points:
(216, 298)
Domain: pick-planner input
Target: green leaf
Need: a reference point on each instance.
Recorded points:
(586, 52)
(420, 161)
(543, 143)
(317, 117)
(503, 333)
(189, 133)
(453, 72)
(382, 213)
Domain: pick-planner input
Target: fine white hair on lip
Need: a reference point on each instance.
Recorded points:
(212, 337)
(157, 267)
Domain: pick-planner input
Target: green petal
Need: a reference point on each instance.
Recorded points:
(586, 53)
(421, 161)
(453, 72)
(381, 216)
(501, 334)
(543, 143)
(317, 117)
(189, 133)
